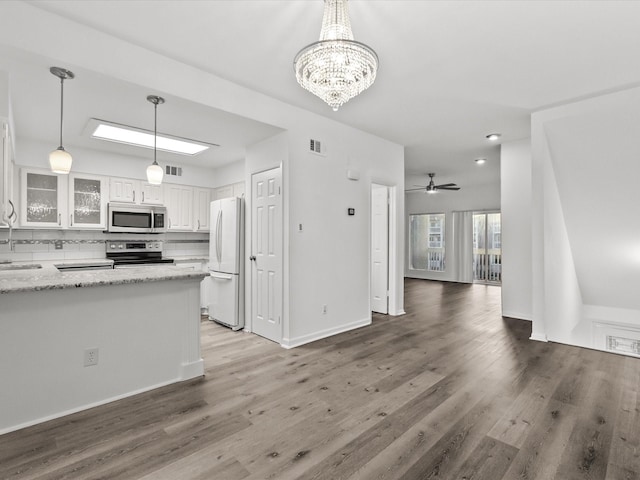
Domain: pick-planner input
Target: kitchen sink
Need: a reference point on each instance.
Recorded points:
(25, 266)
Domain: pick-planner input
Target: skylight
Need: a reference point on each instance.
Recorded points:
(141, 138)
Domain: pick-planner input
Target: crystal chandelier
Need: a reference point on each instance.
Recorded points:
(336, 68)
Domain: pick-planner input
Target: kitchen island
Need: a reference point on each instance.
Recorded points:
(73, 340)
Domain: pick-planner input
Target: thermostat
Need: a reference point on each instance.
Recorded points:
(351, 211)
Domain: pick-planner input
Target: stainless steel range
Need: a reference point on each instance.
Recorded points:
(127, 254)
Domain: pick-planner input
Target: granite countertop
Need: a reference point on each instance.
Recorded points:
(48, 277)
(189, 259)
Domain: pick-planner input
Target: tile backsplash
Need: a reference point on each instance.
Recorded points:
(44, 245)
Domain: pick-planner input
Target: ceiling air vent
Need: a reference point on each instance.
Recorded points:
(317, 147)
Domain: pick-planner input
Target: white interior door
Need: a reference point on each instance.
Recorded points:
(379, 248)
(266, 254)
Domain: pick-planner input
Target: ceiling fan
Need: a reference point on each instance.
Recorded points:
(432, 187)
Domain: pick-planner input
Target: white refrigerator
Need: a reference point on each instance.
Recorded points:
(226, 250)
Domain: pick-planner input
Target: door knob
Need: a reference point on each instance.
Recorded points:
(252, 258)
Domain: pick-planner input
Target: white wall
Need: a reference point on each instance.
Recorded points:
(266, 155)
(34, 153)
(147, 335)
(227, 174)
(517, 275)
(330, 257)
(585, 228)
(468, 198)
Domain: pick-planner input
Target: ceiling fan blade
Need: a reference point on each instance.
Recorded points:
(421, 186)
(444, 185)
(448, 188)
(415, 189)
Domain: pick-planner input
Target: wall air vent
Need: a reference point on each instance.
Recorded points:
(623, 345)
(622, 338)
(317, 147)
(176, 171)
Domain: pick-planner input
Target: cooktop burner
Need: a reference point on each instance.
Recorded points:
(124, 252)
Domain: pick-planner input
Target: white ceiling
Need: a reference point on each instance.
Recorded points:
(450, 71)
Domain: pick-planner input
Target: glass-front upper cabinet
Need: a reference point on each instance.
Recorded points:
(42, 202)
(87, 201)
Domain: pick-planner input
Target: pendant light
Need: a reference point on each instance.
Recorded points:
(60, 160)
(154, 171)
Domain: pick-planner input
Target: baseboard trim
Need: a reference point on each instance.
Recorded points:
(399, 312)
(80, 408)
(312, 337)
(192, 370)
(519, 316)
(538, 337)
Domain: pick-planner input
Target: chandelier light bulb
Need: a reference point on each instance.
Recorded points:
(336, 68)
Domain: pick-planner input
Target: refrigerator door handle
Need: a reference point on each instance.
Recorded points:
(219, 240)
(218, 236)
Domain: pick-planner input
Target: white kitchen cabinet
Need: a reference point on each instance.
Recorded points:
(224, 192)
(201, 207)
(122, 190)
(8, 214)
(238, 189)
(88, 201)
(151, 194)
(232, 190)
(205, 290)
(126, 190)
(179, 203)
(42, 199)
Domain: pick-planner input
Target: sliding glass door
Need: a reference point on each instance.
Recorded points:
(487, 248)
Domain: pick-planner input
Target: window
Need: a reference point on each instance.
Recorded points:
(426, 242)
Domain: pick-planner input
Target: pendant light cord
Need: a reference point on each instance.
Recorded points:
(155, 131)
(61, 108)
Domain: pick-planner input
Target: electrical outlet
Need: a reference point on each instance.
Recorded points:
(58, 244)
(90, 357)
(324, 309)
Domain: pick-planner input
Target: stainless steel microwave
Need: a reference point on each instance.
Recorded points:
(137, 218)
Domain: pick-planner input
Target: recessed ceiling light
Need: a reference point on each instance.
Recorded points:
(480, 161)
(138, 137)
(494, 136)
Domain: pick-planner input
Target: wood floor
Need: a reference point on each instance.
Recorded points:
(449, 391)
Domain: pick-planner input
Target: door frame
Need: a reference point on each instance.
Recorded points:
(392, 280)
(248, 197)
(375, 187)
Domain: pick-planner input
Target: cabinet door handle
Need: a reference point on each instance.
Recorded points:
(143, 197)
(59, 219)
(13, 210)
(134, 195)
(71, 219)
(198, 224)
